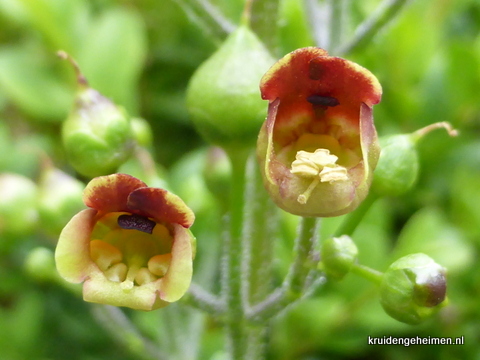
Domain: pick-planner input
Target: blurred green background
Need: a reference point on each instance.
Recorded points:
(141, 54)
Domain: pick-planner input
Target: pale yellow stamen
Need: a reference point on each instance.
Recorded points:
(117, 272)
(104, 254)
(144, 276)
(319, 165)
(128, 284)
(158, 264)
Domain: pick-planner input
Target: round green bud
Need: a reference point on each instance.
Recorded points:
(397, 168)
(59, 199)
(413, 288)
(338, 256)
(217, 173)
(40, 264)
(223, 96)
(97, 133)
(142, 132)
(398, 165)
(18, 213)
(143, 167)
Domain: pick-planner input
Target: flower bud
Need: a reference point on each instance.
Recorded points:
(217, 173)
(97, 133)
(223, 96)
(413, 288)
(142, 132)
(338, 255)
(397, 168)
(398, 165)
(318, 147)
(18, 213)
(40, 264)
(59, 198)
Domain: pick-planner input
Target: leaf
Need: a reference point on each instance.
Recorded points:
(60, 22)
(429, 232)
(113, 54)
(32, 88)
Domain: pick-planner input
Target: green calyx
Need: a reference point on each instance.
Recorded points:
(18, 212)
(338, 256)
(413, 288)
(59, 198)
(223, 96)
(97, 133)
(398, 166)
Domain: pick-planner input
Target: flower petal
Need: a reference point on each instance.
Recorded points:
(310, 71)
(72, 255)
(308, 74)
(160, 205)
(110, 193)
(179, 276)
(98, 289)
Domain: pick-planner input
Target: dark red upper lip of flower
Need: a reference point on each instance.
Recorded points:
(308, 76)
(125, 193)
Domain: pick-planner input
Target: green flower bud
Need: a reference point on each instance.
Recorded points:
(142, 132)
(397, 168)
(413, 288)
(143, 167)
(59, 198)
(223, 96)
(40, 264)
(18, 214)
(97, 133)
(217, 173)
(338, 256)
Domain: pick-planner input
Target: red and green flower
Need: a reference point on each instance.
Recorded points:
(318, 147)
(131, 248)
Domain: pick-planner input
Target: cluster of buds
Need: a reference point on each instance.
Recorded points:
(317, 150)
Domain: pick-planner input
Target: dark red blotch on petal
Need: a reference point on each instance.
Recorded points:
(160, 205)
(110, 193)
(309, 75)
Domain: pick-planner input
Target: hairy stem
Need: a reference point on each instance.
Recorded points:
(260, 228)
(208, 17)
(295, 285)
(233, 286)
(367, 30)
(125, 333)
(352, 220)
(202, 299)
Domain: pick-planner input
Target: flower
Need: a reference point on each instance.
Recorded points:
(413, 288)
(131, 248)
(318, 147)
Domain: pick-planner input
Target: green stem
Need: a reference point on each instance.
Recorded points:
(125, 333)
(367, 273)
(208, 17)
(233, 277)
(337, 9)
(294, 286)
(260, 229)
(202, 299)
(263, 21)
(367, 30)
(354, 218)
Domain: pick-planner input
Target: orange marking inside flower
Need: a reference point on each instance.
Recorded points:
(133, 250)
